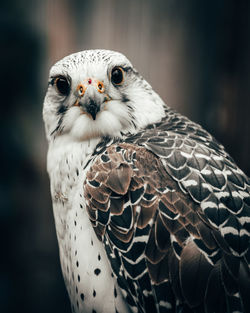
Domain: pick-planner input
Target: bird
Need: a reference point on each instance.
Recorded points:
(151, 213)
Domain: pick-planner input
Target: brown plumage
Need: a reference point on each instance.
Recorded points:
(129, 190)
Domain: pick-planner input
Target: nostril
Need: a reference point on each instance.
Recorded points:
(100, 87)
(81, 90)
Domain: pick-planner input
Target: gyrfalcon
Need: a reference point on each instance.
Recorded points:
(151, 213)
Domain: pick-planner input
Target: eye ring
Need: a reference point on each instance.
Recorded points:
(62, 85)
(117, 75)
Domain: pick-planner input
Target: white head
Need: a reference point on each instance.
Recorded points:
(97, 93)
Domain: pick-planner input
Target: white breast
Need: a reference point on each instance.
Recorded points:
(86, 269)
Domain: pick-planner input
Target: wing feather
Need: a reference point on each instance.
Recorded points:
(167, 231)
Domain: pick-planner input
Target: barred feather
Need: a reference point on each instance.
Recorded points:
(173, 208)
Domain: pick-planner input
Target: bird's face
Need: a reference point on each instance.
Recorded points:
(96, 93)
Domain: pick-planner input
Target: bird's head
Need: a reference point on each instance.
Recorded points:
(97, 93)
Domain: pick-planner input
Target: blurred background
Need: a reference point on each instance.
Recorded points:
(196, 55)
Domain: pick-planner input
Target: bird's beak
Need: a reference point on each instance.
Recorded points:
(90, 95)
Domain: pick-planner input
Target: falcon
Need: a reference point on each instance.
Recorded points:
(151, 213)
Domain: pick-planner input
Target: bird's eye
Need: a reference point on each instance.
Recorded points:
(117, 75)
(62, 85)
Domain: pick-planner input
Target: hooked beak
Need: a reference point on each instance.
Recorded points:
(90, 96)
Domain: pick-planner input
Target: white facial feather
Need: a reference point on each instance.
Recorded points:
(133, 103)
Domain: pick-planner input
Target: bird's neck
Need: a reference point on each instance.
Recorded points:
(63, 148)
(66, 161)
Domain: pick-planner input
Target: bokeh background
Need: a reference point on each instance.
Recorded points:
(196, 55)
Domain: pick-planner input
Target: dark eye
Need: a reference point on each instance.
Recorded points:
(62, 85)
(117, 75)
